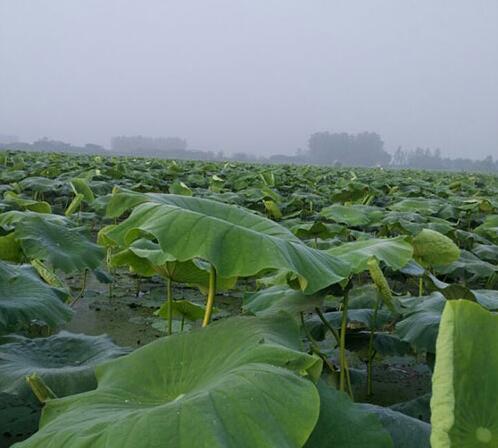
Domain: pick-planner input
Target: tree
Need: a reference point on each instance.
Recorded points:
(366, 148)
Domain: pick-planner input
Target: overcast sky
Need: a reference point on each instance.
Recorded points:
(252, 75)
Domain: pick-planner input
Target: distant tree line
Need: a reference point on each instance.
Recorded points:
(167, 148)
(324, 148)
(48, 145)
(6, 139)
(428, 159)
(138, 143)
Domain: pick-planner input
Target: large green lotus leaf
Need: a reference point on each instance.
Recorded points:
(139, 265)
(488, 298)
(280, 298)
(182, 309)
(359, 317)
(40, 184)
(412, 268)
(468, 238)
(418, 205)
(65, 248)
(237, 242)
(405, 431)
(124, 200)
(469, 263)
(180, 188)
(388, 344)
(10, 219)
(431, 248)
(236, 383)
(421, 325)
(394, 252)
(486, 252)
(465, 382)
(413, 223)
(393, 217)
(64, 361)
(80, 186)
(25, 297)
(353, 215)
(27, 204)
(489, 229)
(318, 229)
(450, 291)
(344, 424)
(419, 408)
(146, 258)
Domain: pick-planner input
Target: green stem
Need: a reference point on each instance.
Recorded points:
(138, 283)
(314, 347)
(210, 297)
(183, 323)
(324, 322)
(82, 291)
(420, 287)
(342, 344)
(371, 351)
(337, 339)
(169, 295)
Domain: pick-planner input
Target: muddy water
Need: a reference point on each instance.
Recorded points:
(127, 316)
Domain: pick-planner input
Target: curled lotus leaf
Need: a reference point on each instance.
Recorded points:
(236, 242)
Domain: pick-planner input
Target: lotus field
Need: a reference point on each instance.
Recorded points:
(156, 303)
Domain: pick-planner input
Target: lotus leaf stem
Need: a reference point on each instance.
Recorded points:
(330, 327)
(342, 344)
(169, 296)
(371, 351)
(314, 347)
(210, 297)
(83, 288)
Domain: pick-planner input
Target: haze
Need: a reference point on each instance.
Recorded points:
(252, 76)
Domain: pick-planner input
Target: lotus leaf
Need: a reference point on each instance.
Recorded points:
(208, 387)
(465, 388)
(64, 361)
(25, 297)
(236, 242)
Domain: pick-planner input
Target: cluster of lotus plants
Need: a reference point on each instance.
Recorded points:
(334, 273)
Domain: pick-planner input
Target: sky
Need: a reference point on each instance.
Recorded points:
(256, 76)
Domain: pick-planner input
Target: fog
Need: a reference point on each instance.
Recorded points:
(252, 76)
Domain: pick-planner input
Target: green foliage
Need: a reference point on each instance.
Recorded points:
(182, 309)
(181, 225)
(65, 362)
(427, 239)
(64, 248)
(465, 387)
(432, 248)
(343, 424)
(421, 324)
(353, 215)
(273, 300)
(394, 252)
(24, 297)
(198, 396)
